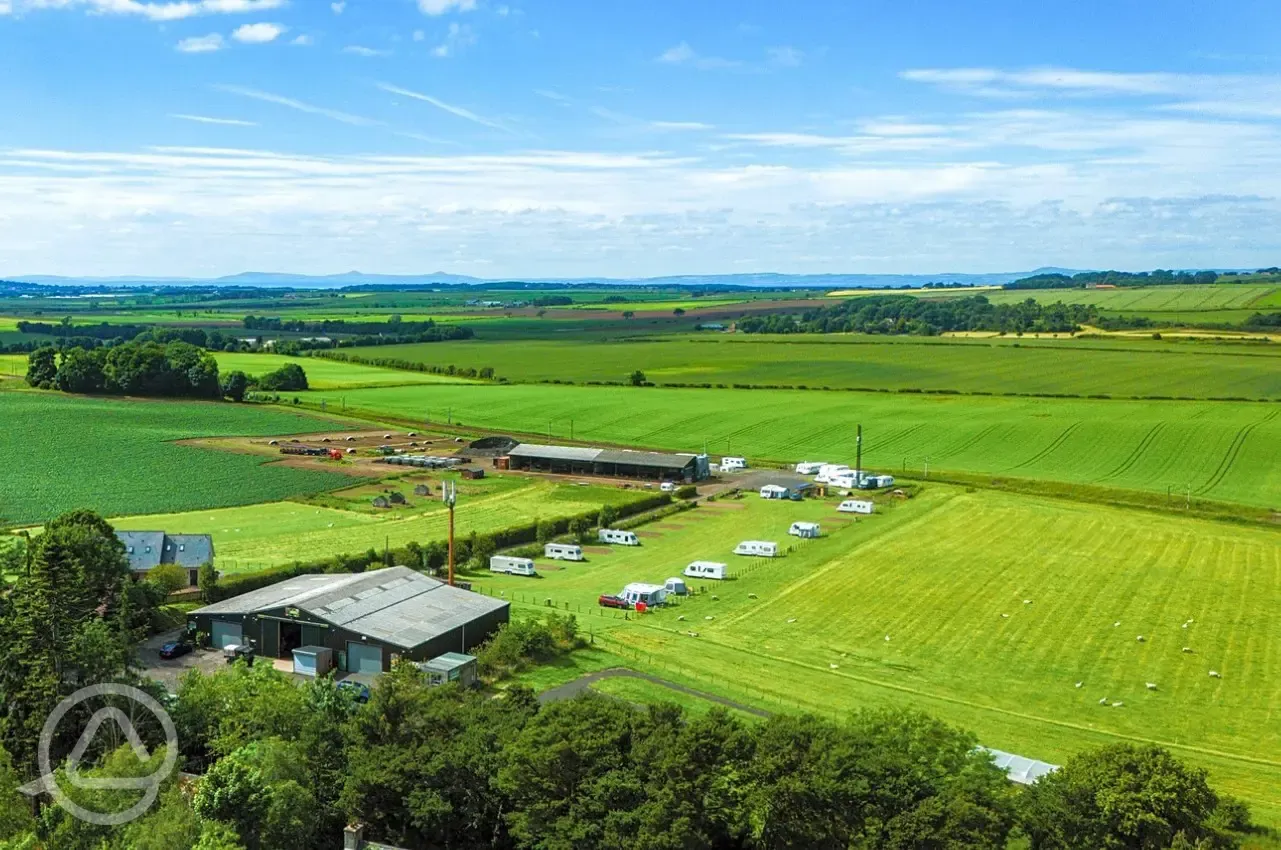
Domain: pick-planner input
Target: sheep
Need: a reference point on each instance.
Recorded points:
(1103, 701)
(792, 620)
(692, 634)
(1151, 686)
(709, 617)
(1214, 674)
(1027, 601)
(1005, 616)
(833, 666)
(1117, 704)
(1117, 624)
(1079, 684)
(752, 596)
(680, 618)
(715, 598)
(1140, 639)
(887, 637)
(1188, 650)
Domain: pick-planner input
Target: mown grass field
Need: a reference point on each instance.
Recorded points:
(247, 539)
(1222, 451)
(995, 606)
(1067, 366)
(329, 374)
(118, 456)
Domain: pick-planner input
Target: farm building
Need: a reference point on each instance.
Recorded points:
(369, 620)
(147, 550)
(451, 667)
(617, 463)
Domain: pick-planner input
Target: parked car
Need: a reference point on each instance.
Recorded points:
(175, 649)
(608, 600)
(359, 692)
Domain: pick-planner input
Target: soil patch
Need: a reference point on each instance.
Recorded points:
(597, 550)
(648, 534)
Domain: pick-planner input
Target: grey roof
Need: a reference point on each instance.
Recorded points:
(143, 548)
(147, 550)
(448, 661)
(188, 550)
(635, 458)
(1022, 770)
(555, 452)
(395, 605)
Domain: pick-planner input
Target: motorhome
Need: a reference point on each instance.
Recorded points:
(512, 566)
(806, 530)
(810, 467)
(618, 538)
(757, 548)
(706, 569)
(730, 464)
(563, 552)
(647, 594)
(855, 506)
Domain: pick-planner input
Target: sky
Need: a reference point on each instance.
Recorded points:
(584, 138)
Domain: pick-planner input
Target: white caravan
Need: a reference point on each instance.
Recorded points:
(773, 491)
(649, 594)
(828, 470)
(855, 506)
(512, 566)
(806, 530)
(810, 467)
(563, 552)
(730, 464)
(620, 538)
(706, 569)
(676, 587)
(757, 548)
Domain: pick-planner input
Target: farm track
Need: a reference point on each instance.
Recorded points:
(1048, 450)
(1134, 456)
(1233, 450)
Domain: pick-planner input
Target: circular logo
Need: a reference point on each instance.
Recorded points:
(149, 785)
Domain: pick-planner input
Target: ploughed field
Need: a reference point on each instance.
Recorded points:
(1223, 451)
(984, 608)
(119, 456)
(1082, 367)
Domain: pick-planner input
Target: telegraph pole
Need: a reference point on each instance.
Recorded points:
(858, 457)
(449, 495)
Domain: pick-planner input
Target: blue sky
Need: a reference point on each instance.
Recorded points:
(522, 138)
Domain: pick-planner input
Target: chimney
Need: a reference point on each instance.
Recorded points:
(353, 837)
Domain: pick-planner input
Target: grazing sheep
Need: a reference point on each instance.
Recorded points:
(792, 620)
(1117, 624)
(752, 596)
(1151, 686)
(1027, 601)
(1139, 638)
(1188, 650)
(1185, 625)
(715, 598)
(1103, 701)
(1079, 684)
(1214, 674)
(681, 617)
(887, 637)
(1005, 616)
(709, 617)
(692, 634)
(1117, 704)
(833, 666)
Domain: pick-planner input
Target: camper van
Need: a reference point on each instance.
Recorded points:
(706, 569)
(563, 552)
(805, 530)
(512, 566)
(647, 594)
(757, 548)
(730, 464)
(810, 467)
(855, 506)
(829, 470)
(619, 538)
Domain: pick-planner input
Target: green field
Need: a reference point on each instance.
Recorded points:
(995, 606)
(248, 539)
(325, 374)
(1222, 451)
(1068, 366)
(118, 456)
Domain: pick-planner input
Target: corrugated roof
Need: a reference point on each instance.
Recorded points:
(1024, 771)
(635, 458)
(448, 661)
(575, 453)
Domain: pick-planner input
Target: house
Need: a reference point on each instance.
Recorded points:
(147, 550)
(368, 619)
(451, 667)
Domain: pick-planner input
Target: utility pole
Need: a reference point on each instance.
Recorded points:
(449, 495)
(858, 457)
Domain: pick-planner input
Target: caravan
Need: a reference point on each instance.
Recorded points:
(774, 491)
(805, 530)
(810, 467)
(757, 548)
(644, 594)
(512, 566)
(563, 552)
(855, 506)
(706, 569)
(731, 464)
(620, 538)
(829, 470)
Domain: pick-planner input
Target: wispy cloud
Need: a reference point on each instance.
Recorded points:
(298, 105)
(339, 7)
(155, 11)
(458, 111)
(459, 37)
(552, 95)
(205, 119)
(258, 33)
(202, 43)
(784, 57)
(303, 41)
(680, 125)
(994, 82)
(440, 7)
(361, 50)
(774, 58)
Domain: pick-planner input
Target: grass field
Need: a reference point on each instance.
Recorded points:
(1067, 366)
(247, 539)
(117, 456)
(945, 577)
(325, 374)
(1218, 450)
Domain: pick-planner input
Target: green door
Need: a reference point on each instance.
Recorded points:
(364, 658)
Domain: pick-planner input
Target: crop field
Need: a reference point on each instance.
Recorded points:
(118, 456)
(247, 539)
(1222, 451)
(985, 609)
(13, 365)
(1068, 366)
(325, 374)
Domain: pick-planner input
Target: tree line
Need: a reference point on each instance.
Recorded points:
(1159, 277)
(175, 369)
(906, 314)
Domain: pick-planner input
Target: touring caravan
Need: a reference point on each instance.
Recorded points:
(512, 566)
(648, 594)
(774, 491)
(619, 538)
(874, 482)
(843, 480)
(810, 467)
(757, 548)
(806, 530)
(730, 464)
(855, 506)
(706, 569)
(676, 587)
(563, 552)
(830, 470)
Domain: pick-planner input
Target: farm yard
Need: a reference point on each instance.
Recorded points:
(986, 609)
(1222, 451)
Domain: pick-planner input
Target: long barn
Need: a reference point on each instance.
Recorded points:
(615, 463)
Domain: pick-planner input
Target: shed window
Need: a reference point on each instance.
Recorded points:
(182, 547)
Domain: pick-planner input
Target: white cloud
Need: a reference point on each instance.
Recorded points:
(300, 106)
(678, 54)
(361, 50)
(202, 44)
(440, 7)
(458, 38)
(680, 125)
(303, 41)
(419, 35)
(338, 8)
(784, 57)
(683, 54)
(6, 7)
(174, 10)
(258, 33)
(205, 119)
(440, 104)
(551, 95)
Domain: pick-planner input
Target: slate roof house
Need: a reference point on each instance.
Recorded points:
(147, 550)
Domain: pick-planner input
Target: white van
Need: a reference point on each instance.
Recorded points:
(810, 467)
(650, 594)
(806, 530)
(512, 566)
(563, 552)
(620, 538)
(855, 506)
(729, 464)
(706, 569)
(757, 548)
